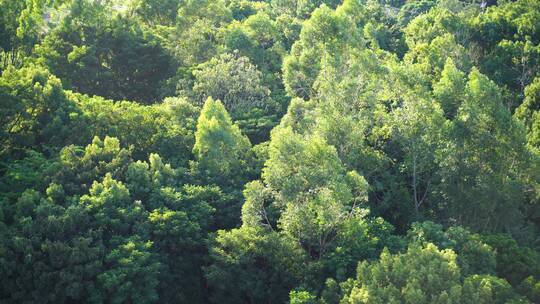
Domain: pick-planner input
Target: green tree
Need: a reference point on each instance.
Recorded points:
(431, 57)
(79, 168)
(221, 151)
(474, 255)
(510, 44)
(417, 128)
(252, 266)
(301, 297)
(424, 274)
(167, 128)
(99, 54)
(488, 289)
(49, 251)
(326, 35)
(34, 111)
(421, 275)
(514, 262)
(528, 111)
(233, 80)
(106, 225)
(484, 160)
(450, 89)
(258, 38)
(312, 188)
(362, 237)
(131, 274)
(156, 12)
(21, 23)
(193, 39)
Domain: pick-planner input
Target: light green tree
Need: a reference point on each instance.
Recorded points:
(312, 188)
(326, 35)
(424, 274)
(221, 151)
(233, 80)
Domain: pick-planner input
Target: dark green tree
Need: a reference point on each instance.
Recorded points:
(252, 266)
(95, 51)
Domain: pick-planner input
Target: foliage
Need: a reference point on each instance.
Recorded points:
(474, 256)
(514, 262)
(234, 81)
(249, 151)
(118, 59)
(101, 229)
(221, 151)
(267, 266)
(424, 275)
(35, 112)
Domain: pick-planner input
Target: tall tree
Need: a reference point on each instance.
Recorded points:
(222, 153)
(482, 167)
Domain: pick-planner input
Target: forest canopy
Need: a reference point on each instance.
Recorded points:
(270, 151)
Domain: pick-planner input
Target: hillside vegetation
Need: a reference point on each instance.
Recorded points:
(272, 151)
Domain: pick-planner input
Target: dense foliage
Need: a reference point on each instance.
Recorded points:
(270, 151)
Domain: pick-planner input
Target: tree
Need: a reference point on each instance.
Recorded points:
(514, 262)
(110, 56)
(530, 288)
(167, 128)
(131, 274)
(436, 23)
(421, 275)
(78, 168)
(312, 188)
(20, 25)
(257, 38)
(66, 254)
(301, 9)
(488, 289)
(249, 265)
(241, 151)
(327, 34)
(258, 210)
(509, 44)
(481, 163)
(34, 111)
(474, 255)
(528, 111)
(193, 39)
(301, 297)
(106, 225)
(417, 126)
(431, 57)
(264, 40)
(411, 10)
(221, 151)
(233, 80)
(449, 90)
(363, 237)
(424, 274)
(156, 12)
